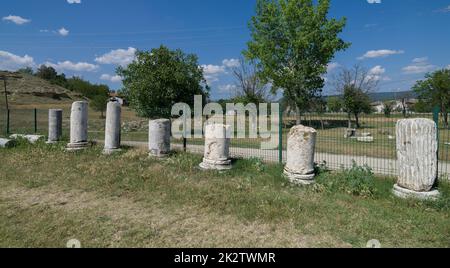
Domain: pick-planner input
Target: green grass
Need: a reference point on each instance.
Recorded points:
(49, 196)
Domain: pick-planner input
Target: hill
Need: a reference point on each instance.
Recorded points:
(23, 89)
(386, 96)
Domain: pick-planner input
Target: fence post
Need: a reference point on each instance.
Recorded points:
(7, 122)
(35, 121)
(280, 136)
(436, 111)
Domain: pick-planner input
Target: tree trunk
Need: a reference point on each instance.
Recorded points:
(349, 121)
(357, 120)
(299, 116)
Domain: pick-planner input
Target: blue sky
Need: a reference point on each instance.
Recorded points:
(398, 40)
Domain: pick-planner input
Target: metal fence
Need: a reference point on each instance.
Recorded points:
(372, 144)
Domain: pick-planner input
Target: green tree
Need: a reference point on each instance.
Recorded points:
(355, 84)
(293, 41)
(27, 70)
(46, 72)
(98, 103)
(334, 104)
(160, 78)
(435, 91)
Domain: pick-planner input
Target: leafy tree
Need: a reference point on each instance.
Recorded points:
(86, 88)
(388, 108)
(98, 103)
(435, 91)
(355, 85)
(334, 104)
(293, 41)
(158, 79)
(46, 72)
(27, 70)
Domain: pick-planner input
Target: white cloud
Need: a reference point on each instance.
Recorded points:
(419, 66)
(16, 19)
(111, 78)
(332, 66)
(374, 1)
(11, 62)
(448, 67)
(121, 57)
(74, 1)
(72, 66)
(231, 63)
(63, 31)
(377, 73)
(444, 10)
(227, 89)
(380, 53)
(212, 72)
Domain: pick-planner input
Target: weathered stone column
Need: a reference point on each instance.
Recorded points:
(113, 127)
(55, 117)
(78, 126)
(217, 147)
(417, 147)
(301, 145)
(159, 137)
(6, 143)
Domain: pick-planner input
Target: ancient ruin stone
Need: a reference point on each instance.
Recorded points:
(217, 147)
(159, 137)
(300, 155)
(55, 117)
(113, 127)
(417, 147)
(78, 126)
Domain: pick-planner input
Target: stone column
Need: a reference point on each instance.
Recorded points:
(113, 127)
(159, 137)
(217, 147)
(301, 144)
(6, 143)
(78, 126)
(417, 147)
(54, 125)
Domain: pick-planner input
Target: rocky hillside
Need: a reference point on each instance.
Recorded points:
(23, 89)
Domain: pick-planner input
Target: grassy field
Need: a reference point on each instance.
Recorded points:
(49, 196)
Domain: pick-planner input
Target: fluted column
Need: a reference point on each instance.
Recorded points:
(417, 147)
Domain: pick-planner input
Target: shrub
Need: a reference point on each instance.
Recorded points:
(358, 181)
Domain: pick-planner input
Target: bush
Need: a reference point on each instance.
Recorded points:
(358, 181)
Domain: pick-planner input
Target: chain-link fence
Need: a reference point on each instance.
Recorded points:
(340, 142)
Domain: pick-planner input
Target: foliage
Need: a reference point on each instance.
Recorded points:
(75, 84)
(98, 103)
(293, 41)
(435, 91)
(161, 78)
(358, 181)
(27, 70)
(355, 84)
(388, 108)
(334, 104)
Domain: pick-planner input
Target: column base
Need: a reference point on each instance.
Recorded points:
(299, 179)
(159, 156)
(111, 151)
(216, 165)
(73, 147)
(406, 193)
(51, 142)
